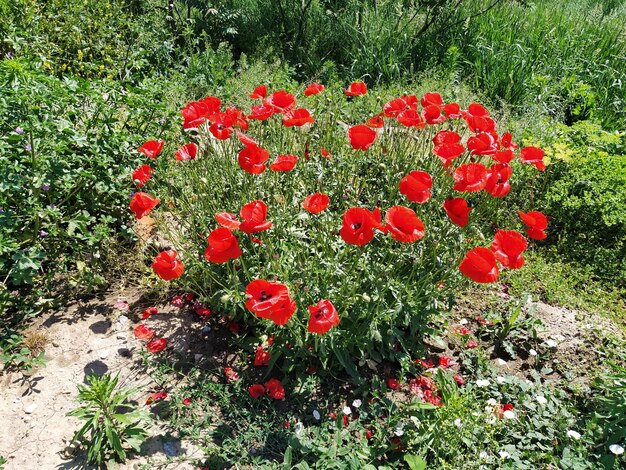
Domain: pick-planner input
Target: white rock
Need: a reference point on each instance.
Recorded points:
(616, 449)
(104, 354)
(30, 408)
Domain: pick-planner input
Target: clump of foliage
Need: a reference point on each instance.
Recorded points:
(112, 424)
(322, 200)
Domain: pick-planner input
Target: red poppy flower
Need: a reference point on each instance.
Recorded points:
(396, 106)
(375, 122)
(187, 152)
(167, 266)
(361, 137)
(195, 113)
(262, 112)
(284, 163)
(475, 109)
(152, 148)
(156, 345)
(457, 211)
(142, 174)
(202, 311)
(482, 144)
(259, 92)
(325, 153)
(533, 156)
(256, 391)
(297, 118)
(323, 317)
(356, 89)
(498, 179)
(359, 224)
(403, 224)
(433, 115)
(503, 156)
(261, 357)
(536, 224)
(246, 140)
(223, 246)
(432, 99)
(252, 159)
(480, 265)
(478, 124)
(506, 141)
(227, 220)
(316, 203)
(313, 89)
(254, 217)
(222, 126)
(452, 110)
(275, 389)
(416, 186)
(446, 137)
(447, 152)
(411, 118)
(508, 246)
(281, 101)
(471, 177)
(155, 397)
(147, 313)
(270, 300)
(444, 362)
(393, 384)
(143, 333)
(142, 203)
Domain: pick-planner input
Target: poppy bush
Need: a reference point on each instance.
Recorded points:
(336, 222)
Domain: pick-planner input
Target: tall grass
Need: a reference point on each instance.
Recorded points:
(567, 57)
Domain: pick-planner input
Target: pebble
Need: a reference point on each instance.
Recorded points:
(170, 449)
(104, 354)
(30, 408)
(123, 319)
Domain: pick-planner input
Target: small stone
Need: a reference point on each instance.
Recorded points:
(206, 329)
(104, 354)
(120, 336)
(30, 408)
(55, 343)
(123, 319)
(170, 449)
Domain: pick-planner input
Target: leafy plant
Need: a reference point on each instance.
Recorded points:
(112, 424)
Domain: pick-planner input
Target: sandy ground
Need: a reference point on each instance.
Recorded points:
(93, 336)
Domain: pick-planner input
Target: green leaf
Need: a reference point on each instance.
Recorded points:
(415, 462)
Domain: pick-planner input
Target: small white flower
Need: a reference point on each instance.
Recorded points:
(509, 414)
(458, 423)
(399, 431)
(616, 449)
(482, 383)
(532, 352)
(541, 399)
(299, 428)
(347, 411)
(573, 434)
(551, 343)
(492, 402)
(357, 403)
(463, 321)
(316, 415)
(483, 455)
(501, 380)
(504, 454)
(491, 420)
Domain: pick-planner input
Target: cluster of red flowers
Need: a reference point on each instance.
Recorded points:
(273, 388)
(271, 299)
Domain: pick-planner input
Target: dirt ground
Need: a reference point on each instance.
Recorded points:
(96, 335)
(89, 336)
